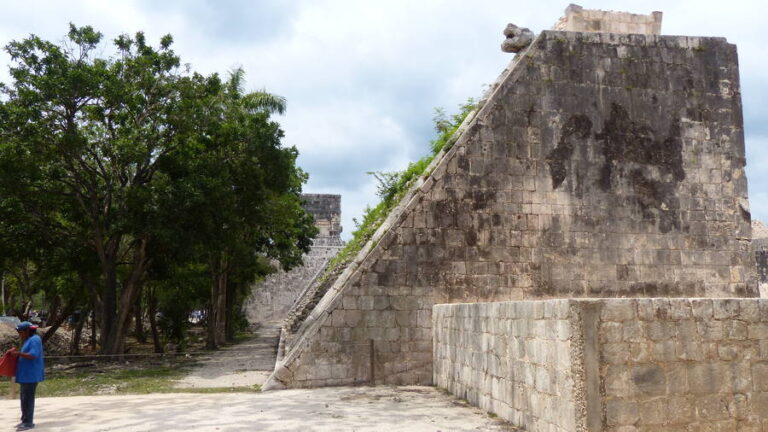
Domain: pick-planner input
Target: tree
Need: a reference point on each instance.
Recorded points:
(99, 154)
(90, 131)
(242, 189)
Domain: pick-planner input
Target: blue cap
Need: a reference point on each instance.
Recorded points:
(25, 325)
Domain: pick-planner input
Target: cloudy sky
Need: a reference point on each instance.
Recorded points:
(363, 77)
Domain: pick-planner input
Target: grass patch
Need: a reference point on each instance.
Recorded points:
(142, 380)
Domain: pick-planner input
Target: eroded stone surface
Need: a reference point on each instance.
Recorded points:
(602, 165)
(577, 18)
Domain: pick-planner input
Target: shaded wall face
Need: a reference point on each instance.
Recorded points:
(603, 166)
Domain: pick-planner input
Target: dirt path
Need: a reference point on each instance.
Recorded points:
(360, 409)
(243, 365)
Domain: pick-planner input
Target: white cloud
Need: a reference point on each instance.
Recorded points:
(362, 77)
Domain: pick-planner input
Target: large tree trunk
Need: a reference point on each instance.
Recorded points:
(108, 306)
(152, 311)
(115, 341)
(54, 325)
(210, 322)
(141, 336)
(93, 314)
(74, 349)
(230, 312)
(217, 312)
(109, 292)
(53, 310)
(221, 309)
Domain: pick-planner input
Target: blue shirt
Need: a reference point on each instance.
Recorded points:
(31, 371)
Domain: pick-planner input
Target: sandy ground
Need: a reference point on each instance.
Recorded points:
(242, 365)
(359, 409)
(326, 409)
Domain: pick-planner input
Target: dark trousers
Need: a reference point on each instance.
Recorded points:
(27, 402)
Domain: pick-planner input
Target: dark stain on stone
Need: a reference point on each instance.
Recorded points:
(471, 238)
(578, 126)
(745, 214)
(553, 237)
(529, 114)
(666, 289)
(445, 212)
(622, 272)
(630, 146)
(657, 200)
(625, 140)
(463, 163)
(482, 198)
(698, 112)
(649, 379)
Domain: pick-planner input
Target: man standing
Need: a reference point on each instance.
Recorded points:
(29, 371)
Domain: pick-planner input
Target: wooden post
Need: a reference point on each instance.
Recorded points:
(371, 355)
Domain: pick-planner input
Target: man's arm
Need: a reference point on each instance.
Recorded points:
(31, 355)
(27, 356)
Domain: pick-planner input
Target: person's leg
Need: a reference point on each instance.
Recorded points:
(23, 399)
(27, 394)
(31, 403)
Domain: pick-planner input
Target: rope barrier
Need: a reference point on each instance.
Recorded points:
(223, 354)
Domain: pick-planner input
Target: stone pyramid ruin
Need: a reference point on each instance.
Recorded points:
(598, 197)
(272, 299)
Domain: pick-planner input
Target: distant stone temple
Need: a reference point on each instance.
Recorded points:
(580, 259)
(271, 299)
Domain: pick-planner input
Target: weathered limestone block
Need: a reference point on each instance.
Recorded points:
(593, 380)
(591, 20)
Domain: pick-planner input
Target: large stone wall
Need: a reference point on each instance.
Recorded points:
(610, 365)
(271, 299)
(600, 165)
(513, 359)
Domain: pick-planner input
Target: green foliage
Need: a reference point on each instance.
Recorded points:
(118, 171)
(446, 127)
(394, 185)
